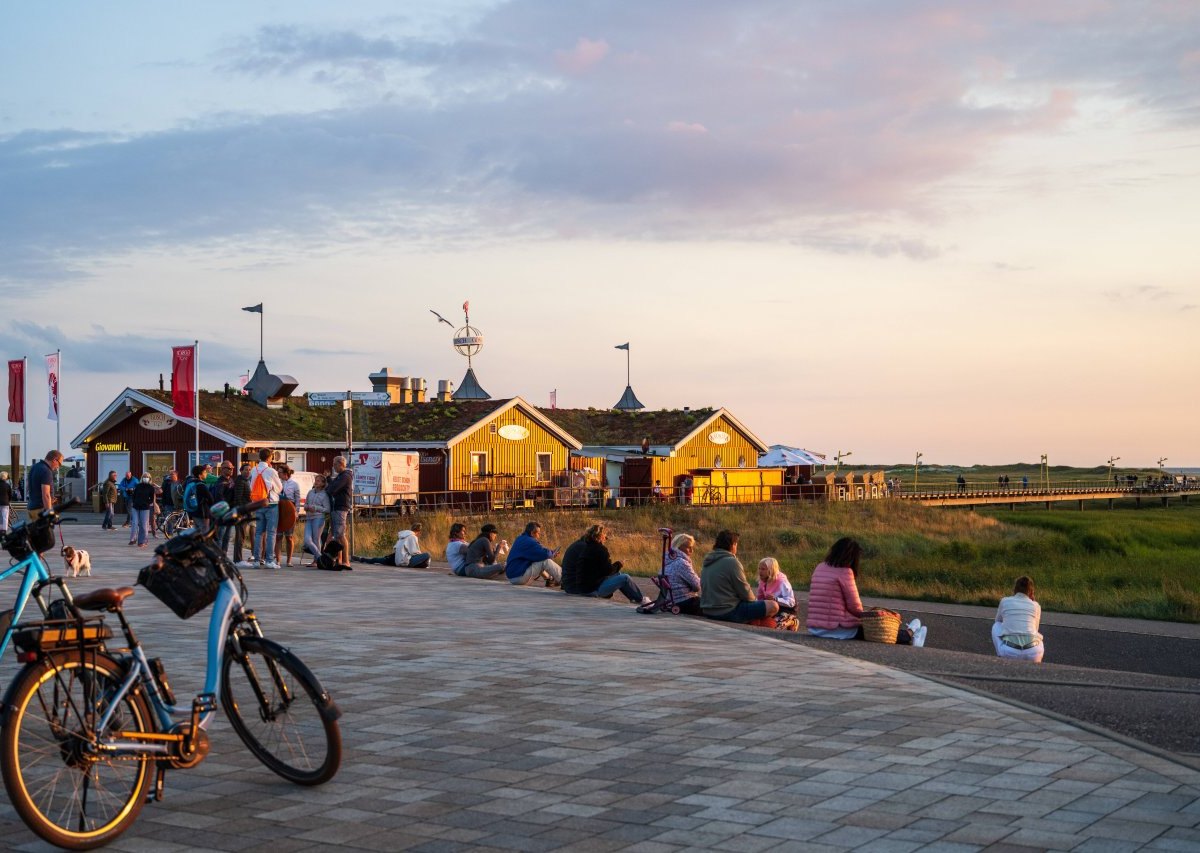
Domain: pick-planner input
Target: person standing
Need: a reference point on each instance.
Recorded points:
(197, 499)
(142, 502)
(725, 594)
(125, 492)
(168, 491)
(41, 484)
(341, 492)
(265, 478)
(6, 494)
(316, 510)
(108, 499)
(530, 560)
(289, 505)
(241, 497)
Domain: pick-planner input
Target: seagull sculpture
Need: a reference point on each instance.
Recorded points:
(441, 319)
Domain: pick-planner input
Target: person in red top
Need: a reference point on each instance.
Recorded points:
(834, 609)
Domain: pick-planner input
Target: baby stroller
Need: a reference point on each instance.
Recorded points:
(665, 603)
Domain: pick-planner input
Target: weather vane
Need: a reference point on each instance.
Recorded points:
(468, 341)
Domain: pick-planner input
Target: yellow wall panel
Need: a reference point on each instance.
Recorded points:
(511, 461)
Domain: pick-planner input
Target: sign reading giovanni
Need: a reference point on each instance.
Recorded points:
(385, 477)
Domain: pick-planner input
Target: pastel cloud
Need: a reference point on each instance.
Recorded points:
(585, 55)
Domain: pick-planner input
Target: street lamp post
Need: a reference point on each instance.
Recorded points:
(840, 456)
(1111, 460)
(916, 469)
(1045, 478)
(1160, 464)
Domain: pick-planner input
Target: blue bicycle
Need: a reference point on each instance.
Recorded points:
(88, 730)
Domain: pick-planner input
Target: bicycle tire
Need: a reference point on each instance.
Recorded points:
(299, 740)
(65, 794)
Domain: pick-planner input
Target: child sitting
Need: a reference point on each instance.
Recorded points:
(773, 585)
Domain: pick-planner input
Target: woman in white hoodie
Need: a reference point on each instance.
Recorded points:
(406, 553)
(1016, 632)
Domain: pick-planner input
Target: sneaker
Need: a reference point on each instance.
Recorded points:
(553, 584)
(244, 564)
(646, 601)
(919, 636)
(271, 565)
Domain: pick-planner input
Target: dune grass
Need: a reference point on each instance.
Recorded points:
(1142, 563)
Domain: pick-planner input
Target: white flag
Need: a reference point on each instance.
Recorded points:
(52, 384)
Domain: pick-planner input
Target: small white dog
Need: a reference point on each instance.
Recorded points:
(78, 561)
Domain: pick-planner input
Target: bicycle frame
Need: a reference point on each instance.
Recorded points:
(35, 575)
(227, 604)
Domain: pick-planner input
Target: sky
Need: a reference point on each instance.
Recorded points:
(965, 229)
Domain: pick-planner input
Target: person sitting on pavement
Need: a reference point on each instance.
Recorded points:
(725, 594)
(1015, 633)
(835, 610)
(599, 576)
(572, 566)
(456, 548)
(530, 560)
(685, 583)
(773, 585)
(407, 552)
(483, 552)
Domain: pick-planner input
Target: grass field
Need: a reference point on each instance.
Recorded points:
(1142, 563)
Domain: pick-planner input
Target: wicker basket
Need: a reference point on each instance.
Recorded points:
(881, 626)
(186, 583)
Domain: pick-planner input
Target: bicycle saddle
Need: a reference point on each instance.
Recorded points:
(104, 599)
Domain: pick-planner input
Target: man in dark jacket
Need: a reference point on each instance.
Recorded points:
(482, 554)
(240, 496)
(725, 593)
(197, 499)
(572, 567)
(340, 488)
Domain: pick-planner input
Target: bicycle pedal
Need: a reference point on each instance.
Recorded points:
(160, 779)
(205, 702)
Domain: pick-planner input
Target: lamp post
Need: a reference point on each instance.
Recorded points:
(840, 456)
(916, 469)
(1045, 472)
(1160, 464)
(1111, 460)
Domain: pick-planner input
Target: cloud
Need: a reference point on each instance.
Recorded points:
(673, 120)
(99, 351)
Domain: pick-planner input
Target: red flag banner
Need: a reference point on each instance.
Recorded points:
(16, 391)
(52, 365)
(183, 390)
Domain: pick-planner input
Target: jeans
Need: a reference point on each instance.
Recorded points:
(314, 523)
(619, 582)
(478, 570)
(418, 560)
(107, 524)
(746, 611)
(267, 519)
(5, 511)
(141, 525)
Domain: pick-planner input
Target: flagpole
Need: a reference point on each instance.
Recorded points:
(260, 333)
(196, 391)
(25, 422)
(58, 401)
(628, 381)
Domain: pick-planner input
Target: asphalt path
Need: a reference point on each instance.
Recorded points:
(1130, 681)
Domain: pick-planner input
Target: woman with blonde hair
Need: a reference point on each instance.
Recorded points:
(685, 583)
(773, 585)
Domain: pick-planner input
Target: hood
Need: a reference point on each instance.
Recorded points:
(404, 535)
(714, 555)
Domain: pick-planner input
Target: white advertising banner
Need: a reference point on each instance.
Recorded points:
(385, 478)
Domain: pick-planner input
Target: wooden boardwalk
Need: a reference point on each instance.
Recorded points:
(1015, 495)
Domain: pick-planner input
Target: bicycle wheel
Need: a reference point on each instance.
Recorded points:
(64, 789)
(281, 712)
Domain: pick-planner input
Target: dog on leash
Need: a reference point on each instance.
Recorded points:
(78, 561)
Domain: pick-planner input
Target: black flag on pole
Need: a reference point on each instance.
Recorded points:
(254, 309)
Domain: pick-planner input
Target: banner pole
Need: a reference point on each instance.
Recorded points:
(25, 423)
(196, 391)
(58, 402)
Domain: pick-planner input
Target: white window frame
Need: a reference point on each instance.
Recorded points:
(545, 474)
(479, 464)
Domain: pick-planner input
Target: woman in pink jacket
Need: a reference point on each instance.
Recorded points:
(834, 608)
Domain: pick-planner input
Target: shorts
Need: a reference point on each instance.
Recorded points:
(337, 523)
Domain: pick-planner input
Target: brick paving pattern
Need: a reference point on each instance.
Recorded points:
(478, 716)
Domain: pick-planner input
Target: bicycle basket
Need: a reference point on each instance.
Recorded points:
(186, 582)
(24, 539)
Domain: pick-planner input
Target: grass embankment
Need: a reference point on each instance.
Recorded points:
(1125, 562)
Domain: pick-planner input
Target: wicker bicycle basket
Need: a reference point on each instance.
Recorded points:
(880, 626)
(24, 539)
(187, 583)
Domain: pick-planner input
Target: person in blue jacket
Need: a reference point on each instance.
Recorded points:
(530, 560)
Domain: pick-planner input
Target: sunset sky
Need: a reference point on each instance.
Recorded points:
(962, 228)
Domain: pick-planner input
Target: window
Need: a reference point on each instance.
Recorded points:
(543, 467)
(479, 466)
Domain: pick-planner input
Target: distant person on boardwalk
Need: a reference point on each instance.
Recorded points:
(1015, 632)
(41, 483)
(1024, 482)
(6, 495)
(962, 483)
(289, 512)
(725, 594)
(340, 489)
(142, 500)
(685, 583)
(599, 575)
(265, 482)
(125, 489)
(835, 610)
(530, 560)
(483, 552)
(773, 585)
(316, 510)
(108, 500)
(239, 532)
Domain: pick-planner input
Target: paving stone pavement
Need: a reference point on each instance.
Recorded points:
(484, 717)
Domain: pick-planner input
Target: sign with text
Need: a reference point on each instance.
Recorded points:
(384, 477)
(366, 398)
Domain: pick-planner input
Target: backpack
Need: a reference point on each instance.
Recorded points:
(258, 488)
(191, 503)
